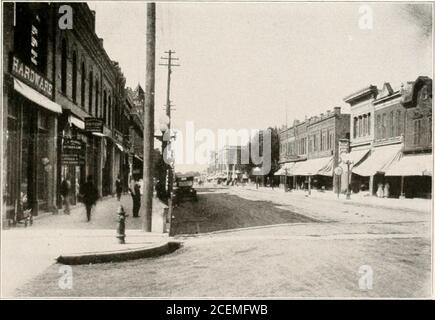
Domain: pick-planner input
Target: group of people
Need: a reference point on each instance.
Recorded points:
(383, 191)
(88, 194)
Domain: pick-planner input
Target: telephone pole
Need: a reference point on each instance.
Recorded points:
(169, 63)
(148, 134)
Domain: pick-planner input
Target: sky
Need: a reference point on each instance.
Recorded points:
(255, 65)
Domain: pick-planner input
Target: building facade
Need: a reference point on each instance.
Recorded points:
(381, 157)
(30, 115)
(309, 151)
(58, 84)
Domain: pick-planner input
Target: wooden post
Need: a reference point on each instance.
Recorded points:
(148, 136)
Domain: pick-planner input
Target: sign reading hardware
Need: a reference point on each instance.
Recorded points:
(31, 77)
(94, 125)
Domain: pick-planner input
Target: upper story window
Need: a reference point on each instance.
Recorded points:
(109, 107)
(417, 131)
(91, 84)
(104, 107)
(74, 76)
(83, 85)
(97, 95)
(63, 67)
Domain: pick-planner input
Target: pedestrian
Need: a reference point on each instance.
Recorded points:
(136, 200)
(380, 191)
(118, 188)
(89, 195)
(65, 190)
(387, 190)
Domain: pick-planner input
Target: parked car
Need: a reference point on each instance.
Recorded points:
(184, 189)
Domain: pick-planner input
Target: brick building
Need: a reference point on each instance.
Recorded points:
(381, 146)
(30, 116)
(308, 155)
(56, 80)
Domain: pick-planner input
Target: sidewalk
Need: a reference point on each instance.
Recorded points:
(417, 204)
(26, 252)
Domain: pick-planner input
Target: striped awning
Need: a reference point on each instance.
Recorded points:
(411, 165)
(311, 167)
(379, 160)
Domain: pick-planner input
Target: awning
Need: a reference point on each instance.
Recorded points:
(77, 122)
(120, 147)
(378, 161)
(282, 171)
(411, 165)
(355, 156)
(311, 167)
(36, 97)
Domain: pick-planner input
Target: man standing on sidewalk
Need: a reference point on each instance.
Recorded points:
(118, 187)
(89, 195)
(65, 189)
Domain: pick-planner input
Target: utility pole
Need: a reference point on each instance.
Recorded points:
(165, 144)
(148, 134)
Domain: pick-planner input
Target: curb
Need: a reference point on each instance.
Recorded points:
(119, 255)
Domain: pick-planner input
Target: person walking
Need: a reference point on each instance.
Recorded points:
(89, 196)
(65, 189)
(118, 188)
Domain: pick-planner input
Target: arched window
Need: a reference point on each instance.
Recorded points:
(63, 67)
(74, 77)
(97, 93)
(83, 85)
(91, 83)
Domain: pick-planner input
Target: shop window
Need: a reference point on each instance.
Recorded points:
(74, 77)
(63, 70)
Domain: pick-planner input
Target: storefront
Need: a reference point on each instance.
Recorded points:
(30, 143)
(314, 173)
(72, 155)
(375, 165)
(412, 175)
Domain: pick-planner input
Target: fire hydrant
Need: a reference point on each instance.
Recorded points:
(121, 225)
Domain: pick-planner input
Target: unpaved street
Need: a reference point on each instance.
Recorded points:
(279, 245)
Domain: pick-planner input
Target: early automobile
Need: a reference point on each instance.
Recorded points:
(184, 189)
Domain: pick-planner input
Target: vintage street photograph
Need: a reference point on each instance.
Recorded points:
(206, 150)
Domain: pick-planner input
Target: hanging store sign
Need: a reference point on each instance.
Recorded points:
(94, 125)
(73, 152)
(31, 77)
